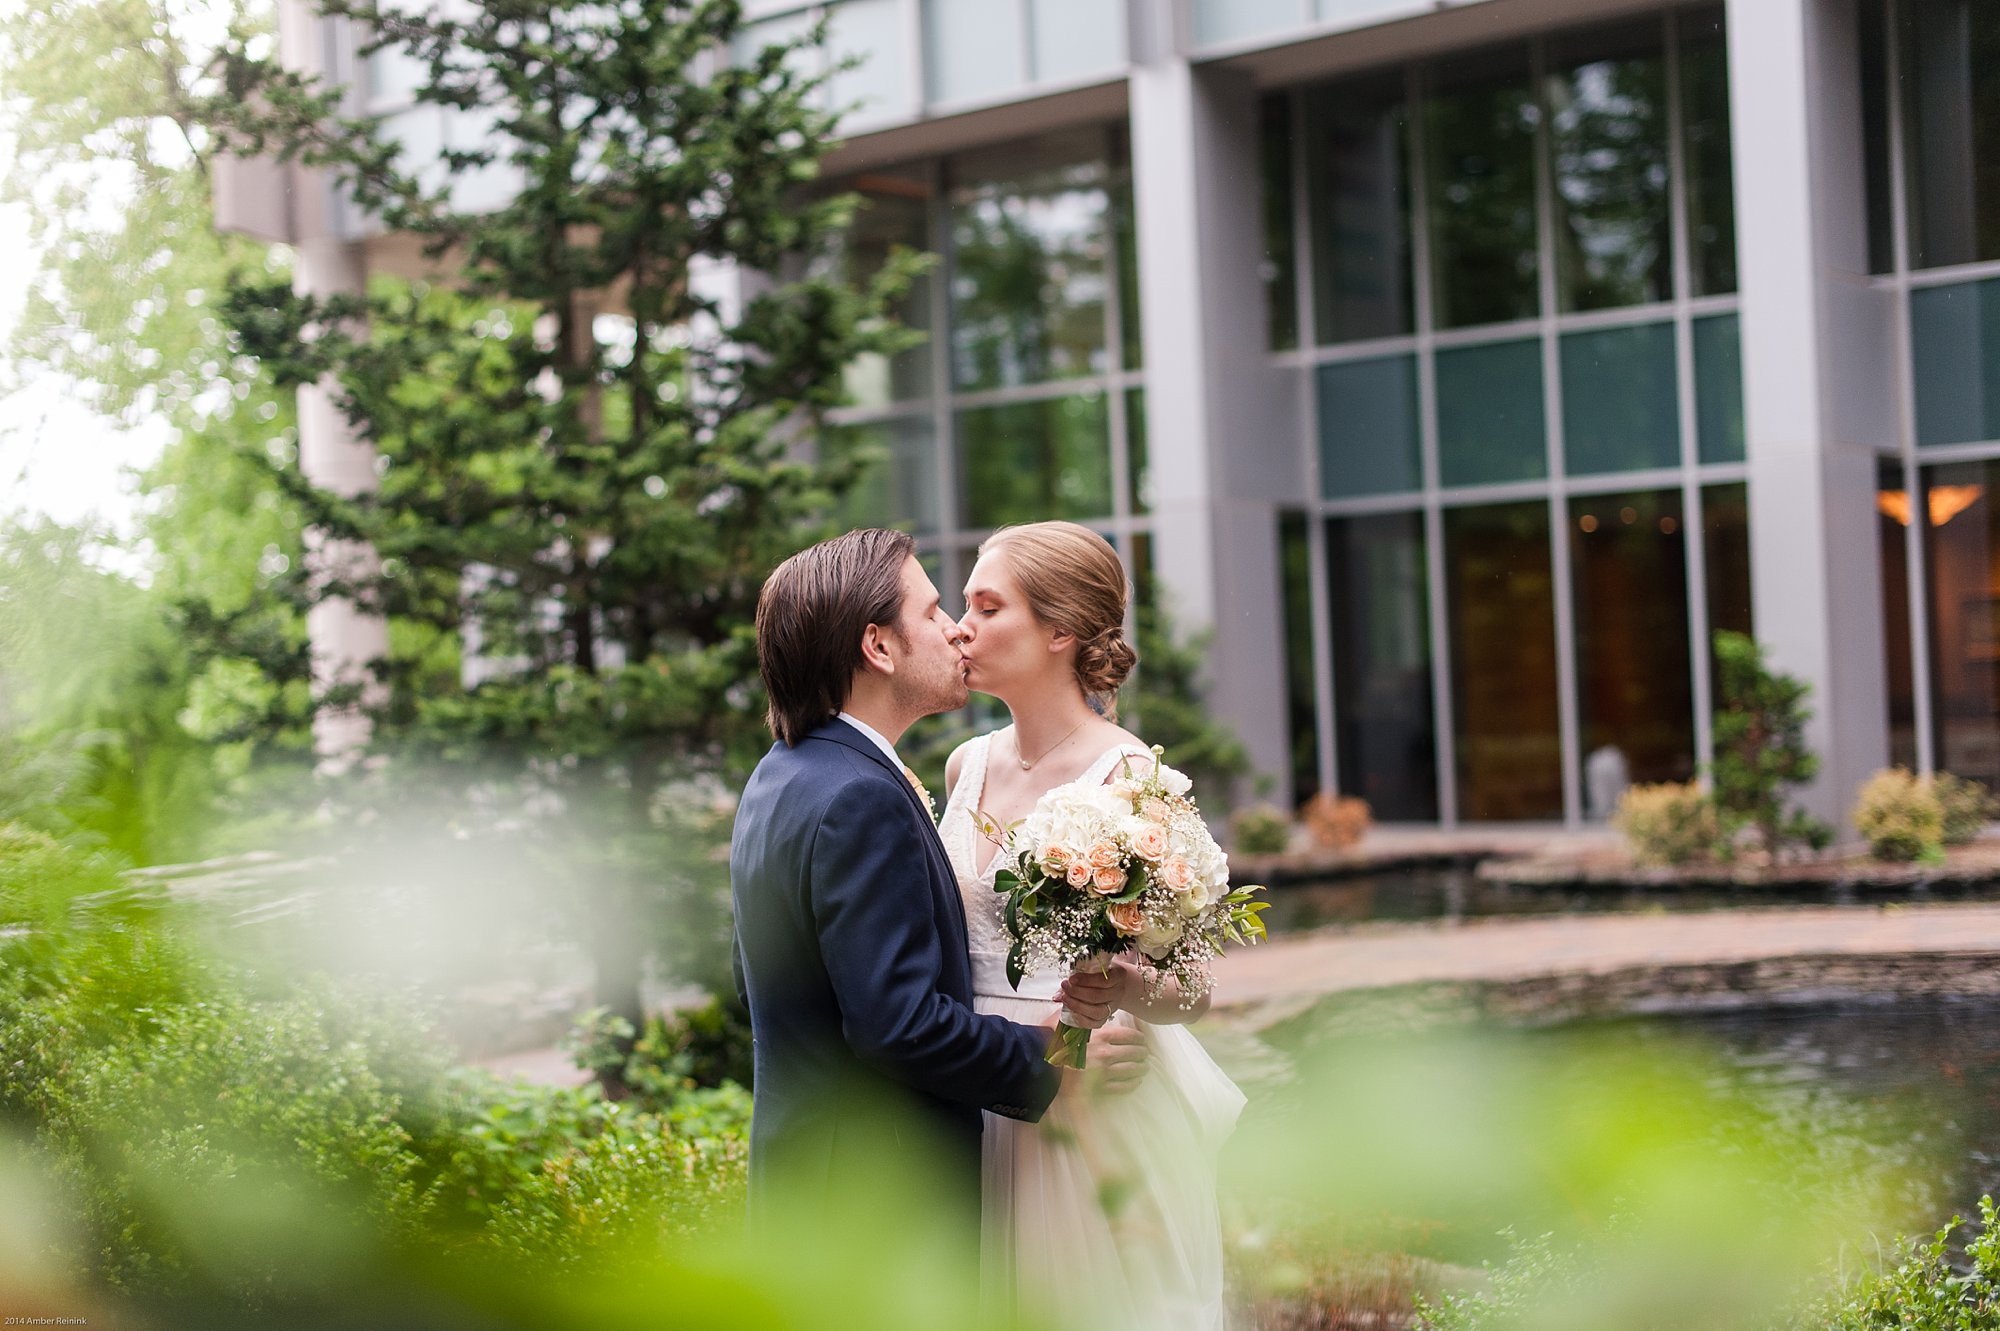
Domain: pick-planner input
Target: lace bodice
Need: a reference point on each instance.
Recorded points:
(985, 919)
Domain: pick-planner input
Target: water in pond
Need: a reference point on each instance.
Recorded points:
(1460, 893)
(1925, 1073)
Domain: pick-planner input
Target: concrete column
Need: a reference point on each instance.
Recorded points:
(1817, 367)
(1220, 429)
(345, 641)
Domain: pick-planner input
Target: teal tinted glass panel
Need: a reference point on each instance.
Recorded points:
(1217, 21)
(1368, 427)
(1955, 343)
(1138, 471)
(1718, 388)
(1951, 82)
(895, 213)
(1607, 100)
(1480, 121)
(1710, 169)
(1125, 237)
(1491, 422)
(1033, 460)
(1621, 409)
(1873, 17)
(1031, 233)
(1357, 135)
(898, 483)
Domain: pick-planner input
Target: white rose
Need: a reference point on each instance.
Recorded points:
(1176, 783)
(1156, 940)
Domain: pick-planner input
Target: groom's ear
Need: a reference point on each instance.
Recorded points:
(875, 653)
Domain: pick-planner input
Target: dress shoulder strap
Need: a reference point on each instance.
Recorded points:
(1099, 771)
(972, 780)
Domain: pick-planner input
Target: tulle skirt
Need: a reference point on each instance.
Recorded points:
(1103, 1215)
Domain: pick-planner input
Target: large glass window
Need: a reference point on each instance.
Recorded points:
(1628, 562)
(1076, 38)
(1280, 265)
(1301, 704)
(1031, 231)
(1480, 122)
(1725, 537)
(1607, 96)
(1028, 461)
(1357, 162)
(898, 483)
(1718, 388)
(1951, 54)
(1217, 21)
(973, 48)
(1507, 722)
(1892, 521)
(895, 213)
(1962, 549)
(869, 76)
(1711, 187)
(1385, 731)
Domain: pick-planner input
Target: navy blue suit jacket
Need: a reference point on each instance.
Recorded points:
(852, 956)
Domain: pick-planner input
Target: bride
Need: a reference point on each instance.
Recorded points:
(1108, 1205)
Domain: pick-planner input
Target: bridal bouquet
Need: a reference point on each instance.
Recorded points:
(1125, 867)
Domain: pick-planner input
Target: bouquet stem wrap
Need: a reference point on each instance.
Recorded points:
(1072, 1052)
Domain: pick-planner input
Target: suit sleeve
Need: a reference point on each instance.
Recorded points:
(879, 940)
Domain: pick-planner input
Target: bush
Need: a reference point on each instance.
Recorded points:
(1967, 806)
(1669, 823)
(704, 1047)
(1336, 823)
(1922, 1291)
(1900, 816)
(1760, 749)
(1261, 829)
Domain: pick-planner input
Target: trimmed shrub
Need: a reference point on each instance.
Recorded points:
(1900, 816)
(1967, 806)
(1336, 823)
(1261, 829)
(1670, 823)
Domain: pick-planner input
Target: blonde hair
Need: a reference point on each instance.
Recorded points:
(1075, 583)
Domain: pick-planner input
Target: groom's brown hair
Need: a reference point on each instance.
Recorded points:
(810, 618)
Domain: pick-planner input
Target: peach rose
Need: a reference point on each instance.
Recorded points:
(1125, 789)
(1104, 855)
(1178, 873)
(1150, 845)
(1155, 811)
(1108, 882)
(1125, 917)
(1078, 873)
(1055, 860)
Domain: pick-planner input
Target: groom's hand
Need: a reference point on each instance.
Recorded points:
(1117, 1061)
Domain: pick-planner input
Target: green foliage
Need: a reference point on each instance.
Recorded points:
(111, 167)
(1516, 1292)
(1967, 807)
(1901, 817)
(1760, 749)
(1926, 1287)
(1669, 823)
(703, 1048)
(596, 495)
(1262, 829)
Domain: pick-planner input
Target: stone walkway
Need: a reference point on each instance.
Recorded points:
(1377, 956)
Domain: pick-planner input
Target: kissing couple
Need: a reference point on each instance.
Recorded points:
(893, 1059)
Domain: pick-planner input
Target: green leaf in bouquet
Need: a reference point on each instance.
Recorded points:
(1006, 880)
(1016, 971)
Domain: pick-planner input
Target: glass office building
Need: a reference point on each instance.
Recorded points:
(1460, 365)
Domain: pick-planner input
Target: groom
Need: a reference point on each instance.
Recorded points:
(871, 1065)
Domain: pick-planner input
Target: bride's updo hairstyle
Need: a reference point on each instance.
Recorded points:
(1074, 583)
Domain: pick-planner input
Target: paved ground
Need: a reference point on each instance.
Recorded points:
(1373, 956)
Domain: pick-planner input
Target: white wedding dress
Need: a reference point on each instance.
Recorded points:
(1104, 1213)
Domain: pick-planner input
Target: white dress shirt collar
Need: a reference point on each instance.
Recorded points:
(874, 735)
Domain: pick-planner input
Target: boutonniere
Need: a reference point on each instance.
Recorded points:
(923, 791)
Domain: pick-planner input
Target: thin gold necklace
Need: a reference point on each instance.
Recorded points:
(1027, 765)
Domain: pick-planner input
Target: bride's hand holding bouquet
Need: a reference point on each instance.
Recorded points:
(1124, 870)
